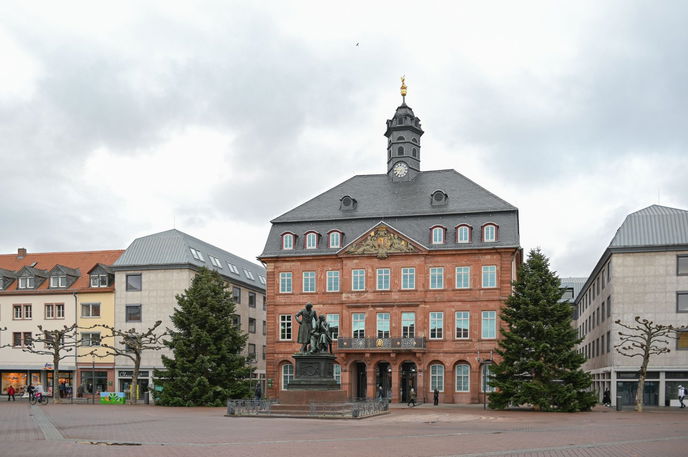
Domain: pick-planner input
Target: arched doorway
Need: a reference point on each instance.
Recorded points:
(408, 375)
(383, 378)
(359, 381)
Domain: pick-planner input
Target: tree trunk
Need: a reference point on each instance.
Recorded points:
(639, 395)
(133, 388)
(56, 380)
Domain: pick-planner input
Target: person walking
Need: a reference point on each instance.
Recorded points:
(259, 392)
(10, 393)
(681, 395)
(380, 392)
(30, 391)
(412, 397)
(606, 398)
(436, 397)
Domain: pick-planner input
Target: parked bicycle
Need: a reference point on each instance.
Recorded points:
(39, 398)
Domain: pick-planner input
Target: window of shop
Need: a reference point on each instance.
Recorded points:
(89, 379)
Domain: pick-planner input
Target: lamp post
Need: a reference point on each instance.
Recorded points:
(93, 379)
(483, 384)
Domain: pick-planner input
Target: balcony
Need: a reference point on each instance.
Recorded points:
(381, 344)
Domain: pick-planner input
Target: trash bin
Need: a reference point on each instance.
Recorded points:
(619, 406)
(146, 398)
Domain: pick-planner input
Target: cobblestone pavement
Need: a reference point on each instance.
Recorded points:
(102, 430)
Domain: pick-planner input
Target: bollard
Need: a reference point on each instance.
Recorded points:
(619, 407)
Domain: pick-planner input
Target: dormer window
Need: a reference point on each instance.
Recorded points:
(401, 138)
(99, 280)
(489, 233)
(335, 239)
(463, 234)
(311, 240)
(58, 282)
(439, 198)
(347, 203)
(288, 241)
(437, 235)
(26, 282)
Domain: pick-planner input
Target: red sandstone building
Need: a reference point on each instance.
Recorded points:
(411, 269)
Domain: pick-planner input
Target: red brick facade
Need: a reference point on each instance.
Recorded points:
(447, 351)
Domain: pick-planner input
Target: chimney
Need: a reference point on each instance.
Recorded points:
(21, 253)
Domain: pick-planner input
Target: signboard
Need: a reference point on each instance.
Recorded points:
(112, 398)
(130, 373)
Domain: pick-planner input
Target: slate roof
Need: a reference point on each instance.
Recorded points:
(43, 263)
(380, 197)
(575, 283)
(653, 226)
(404, 206)
(173, 248)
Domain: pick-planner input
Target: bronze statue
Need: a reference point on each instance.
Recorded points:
(308, 320)
(321, 340)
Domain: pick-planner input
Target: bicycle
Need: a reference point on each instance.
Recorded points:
(39, 398)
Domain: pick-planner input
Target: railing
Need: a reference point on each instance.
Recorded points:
(385, 344)
(362, 408)
(248, 407)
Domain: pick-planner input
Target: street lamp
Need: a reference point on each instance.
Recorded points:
(483, 384)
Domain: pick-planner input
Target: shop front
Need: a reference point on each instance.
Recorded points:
(124, 378)
(21, 378)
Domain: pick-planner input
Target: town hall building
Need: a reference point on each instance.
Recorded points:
(411, 269)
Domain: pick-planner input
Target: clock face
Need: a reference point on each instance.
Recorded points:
(400, 169)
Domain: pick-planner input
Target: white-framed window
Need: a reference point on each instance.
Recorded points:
(436, 325)
(383, 325)
(383, 279)
(333, 322)
(215, 261)
(463, 378)
(437, 277)
(23, 311)
(490, 233)
(358, 279)
(489, 325)
(358, 325)
(462, 324)
(196, 254)
(309, 281)
(261, 279)
(98, 280)
(463, 234)
(333, 281)
(26, 282)
(285, 282)
(408, 325)
(463, 277)
(337, 370)
(90, 310)
(233, 268)
(285, 327)
(311, 240)
(288, 241)
(485, 378)
(437, 377)
(335, 239)
(90, 338)
(249, 275)
(408, 278)
(287, 375)
(49, 311)
(438, 235)
(489, 276)
(58, 281)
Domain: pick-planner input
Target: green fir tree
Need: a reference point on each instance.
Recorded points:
(207, 367)
(540, 366)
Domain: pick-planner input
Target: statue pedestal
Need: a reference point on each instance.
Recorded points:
(313, 381)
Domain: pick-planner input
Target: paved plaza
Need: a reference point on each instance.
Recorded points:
(95, 430)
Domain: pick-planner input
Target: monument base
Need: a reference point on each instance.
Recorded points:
(314, 372)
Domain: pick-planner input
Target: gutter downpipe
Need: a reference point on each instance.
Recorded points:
(76, 346)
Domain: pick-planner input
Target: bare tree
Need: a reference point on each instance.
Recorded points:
(644, 339)
(57, 344)
(131, 344)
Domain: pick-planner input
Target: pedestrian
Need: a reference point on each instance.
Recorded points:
(259, 392)
(10, 393)
(30, 391)
(412, 397)
(380, 392)
(681, 395)
(436, 397)
(607, 398)
(63, 389)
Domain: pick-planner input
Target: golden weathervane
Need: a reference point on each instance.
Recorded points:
(403, 86)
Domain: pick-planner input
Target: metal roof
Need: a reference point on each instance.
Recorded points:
(173, 247)
(575, 283)
(653, 226)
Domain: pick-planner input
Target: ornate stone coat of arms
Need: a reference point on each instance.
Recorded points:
(380, 242)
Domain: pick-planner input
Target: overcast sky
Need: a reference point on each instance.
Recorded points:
(123, 119)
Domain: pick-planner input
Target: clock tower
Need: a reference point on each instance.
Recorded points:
(403, 142)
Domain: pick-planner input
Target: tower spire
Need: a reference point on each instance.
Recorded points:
(403, 141)
(403, 89)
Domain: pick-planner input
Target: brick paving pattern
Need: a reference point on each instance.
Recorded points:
(445, 431)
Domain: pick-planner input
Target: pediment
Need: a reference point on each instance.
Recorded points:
(381, 241)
